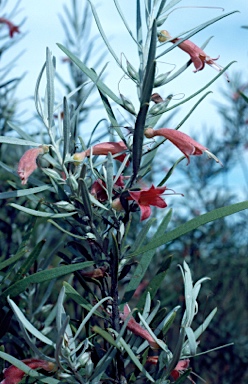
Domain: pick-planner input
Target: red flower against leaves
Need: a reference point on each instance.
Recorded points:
(27, 164)
(185, 143)
(103, 149)
(146, 197)
(198, 57)
(12, 28)
(180, 367)
(14, 375)
(98, 188)
(136, 328)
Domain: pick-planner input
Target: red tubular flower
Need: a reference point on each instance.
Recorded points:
(98, 188)
(27, 164)
(12, 28)
(177, 371)
(146, 197)
(185, 143)
(180, 367)
(197, 55)
(103, 149)
(136, 328)
(14, 375)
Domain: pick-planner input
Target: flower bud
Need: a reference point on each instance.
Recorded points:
(127, 104)
(161, 20)
(163, 36)
(160, 108)
(73, 183)
(116, 205)
(132, 72)
(149, 133)
(27, 164)
(161, 79)
(156, 98)
(79, 157)
(53, 174)
(65, 205)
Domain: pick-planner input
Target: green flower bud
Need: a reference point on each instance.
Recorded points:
(53, 174)
(127, 104)
(160, 108)
(65, 205)
(132, 72)
(161, 79)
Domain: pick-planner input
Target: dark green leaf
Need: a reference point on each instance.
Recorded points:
(66, 128)
(191, 225)
(155, 282)
(144, 262)
(42, 276)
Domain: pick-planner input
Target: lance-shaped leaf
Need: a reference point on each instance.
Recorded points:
(191, 225)
(66, 128)
(50, 73)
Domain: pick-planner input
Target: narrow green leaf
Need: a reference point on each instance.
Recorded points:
(89, 315)
(139, 39)
(101, 30)
(156, 281)
(74, 295)
(37, 99)
(182, 378)
(13, 259)
(33, 212)
(124, 20)
(171, 4)
(109, 176)
(22, 133)
(110, 114)
(105, 335)
(191, 225)
(191, 340)
(25, 192)
(25, 368)
(16, 141)
(144, 262)
(50, 69)
(66, 128)
(132, 356)
(27, 264)
(205, 324)
(65, 231)
(171, 170)
(91, 74)
(42, 276)
(26, 323)
(142, 235)
(244, 96)
(84, 195)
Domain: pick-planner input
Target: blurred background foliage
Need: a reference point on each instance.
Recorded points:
(218, 250)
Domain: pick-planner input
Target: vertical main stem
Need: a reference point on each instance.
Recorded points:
(120, 372)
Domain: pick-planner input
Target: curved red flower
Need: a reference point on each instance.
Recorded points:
(146, 197)
(14, 375)
(136, 328)
(185, 143)
(27, 164)
(12, 27)
(103, 149)
(198, 57)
